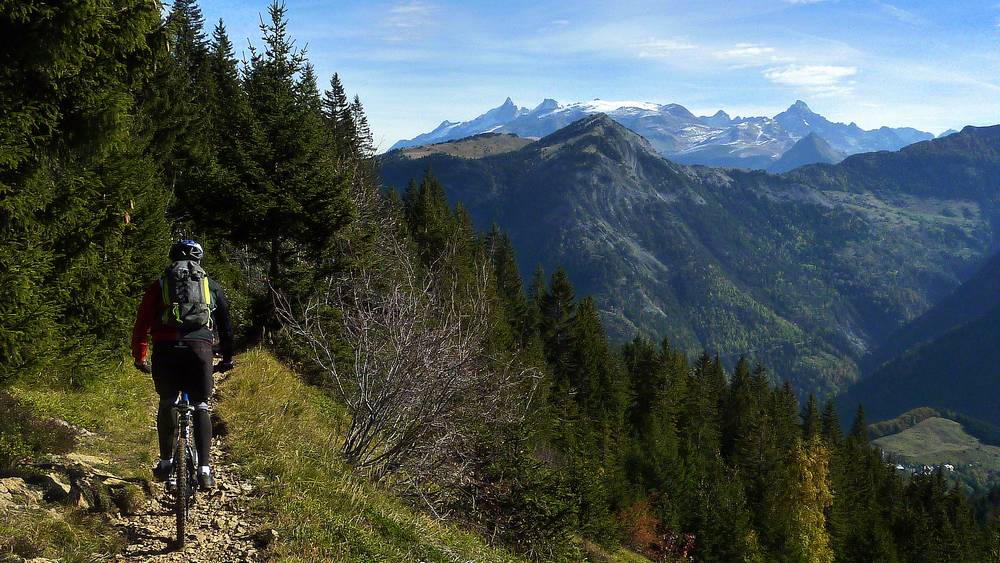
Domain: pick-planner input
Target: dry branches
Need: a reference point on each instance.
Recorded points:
(418, 381)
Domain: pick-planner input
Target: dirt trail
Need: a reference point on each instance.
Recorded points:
(220, 526)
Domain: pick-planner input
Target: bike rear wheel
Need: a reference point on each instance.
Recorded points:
(181, 496)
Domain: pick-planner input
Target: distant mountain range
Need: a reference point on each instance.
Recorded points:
(810, 270)
(681, 136)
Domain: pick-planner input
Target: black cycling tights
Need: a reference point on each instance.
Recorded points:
(184, 366)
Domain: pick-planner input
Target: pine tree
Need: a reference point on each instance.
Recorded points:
(700, 426)
(364, 145)
(339, 118)
(300, 203)
(867, 496)
(720, 518)
(558, 312)
(652, 415)
(186, 26)
(738, 408)
(536, 296)
(307, 90)
(234, 175)
(510, 286)
(429, 218)
(599, 378)
(78, 191)
(811, 423)
(180, 95)
(831, 430)
(859, 427)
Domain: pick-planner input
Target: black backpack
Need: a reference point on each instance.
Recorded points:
(187, 299)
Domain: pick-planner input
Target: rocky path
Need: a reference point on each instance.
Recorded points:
(220, 526)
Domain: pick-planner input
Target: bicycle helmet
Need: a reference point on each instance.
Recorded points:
(186, 250)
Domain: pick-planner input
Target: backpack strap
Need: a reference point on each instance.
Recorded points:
(206, 292)
(165, 290)
(169, 308)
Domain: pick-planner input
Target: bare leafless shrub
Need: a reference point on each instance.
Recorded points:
(420, 382)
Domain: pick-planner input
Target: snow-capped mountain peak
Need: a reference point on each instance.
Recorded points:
(676, 133)
(548, 105)
(598, 105)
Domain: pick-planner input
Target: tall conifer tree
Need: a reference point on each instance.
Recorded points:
(832, 432)
(811, 423)
(339, 118)
(78, 188)
(301, 203)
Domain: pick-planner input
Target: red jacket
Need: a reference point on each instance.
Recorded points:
(147, 321)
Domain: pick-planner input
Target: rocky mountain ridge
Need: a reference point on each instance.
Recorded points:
(678, 134)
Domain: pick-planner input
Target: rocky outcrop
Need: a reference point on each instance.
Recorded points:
(78, 480)
(15, 492)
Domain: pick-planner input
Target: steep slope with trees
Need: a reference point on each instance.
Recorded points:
(944, 359)
(956, 371)
(809, 271)
(970, 301)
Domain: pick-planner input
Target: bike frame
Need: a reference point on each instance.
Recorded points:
(184, 422)
(185, 460)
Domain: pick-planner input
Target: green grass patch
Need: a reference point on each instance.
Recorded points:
(938, 440)
(116, 406)
(286, 434)
(902, 422)
(56, 533)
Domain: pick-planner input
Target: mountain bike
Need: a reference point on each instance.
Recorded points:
(183, 480)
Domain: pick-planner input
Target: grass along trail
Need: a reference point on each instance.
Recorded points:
(221, 526)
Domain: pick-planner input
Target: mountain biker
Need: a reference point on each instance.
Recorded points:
(181, 320)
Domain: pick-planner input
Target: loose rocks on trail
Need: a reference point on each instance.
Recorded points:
(220, 526)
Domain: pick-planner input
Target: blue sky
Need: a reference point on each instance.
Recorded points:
(928, 64)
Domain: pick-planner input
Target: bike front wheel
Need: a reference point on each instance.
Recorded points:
(181, 494)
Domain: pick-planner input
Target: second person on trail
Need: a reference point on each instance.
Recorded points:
(180, 310)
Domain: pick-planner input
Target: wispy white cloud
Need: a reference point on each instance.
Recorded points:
(408, 20)
(554, 25)
(659, 48)
(817, 80)
(746, 50)
(900, 14)
(751, 55)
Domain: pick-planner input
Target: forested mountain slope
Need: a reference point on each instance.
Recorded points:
(810, 271)
(957, 371)
(437, 409)
(970, 301)
(945, 358)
